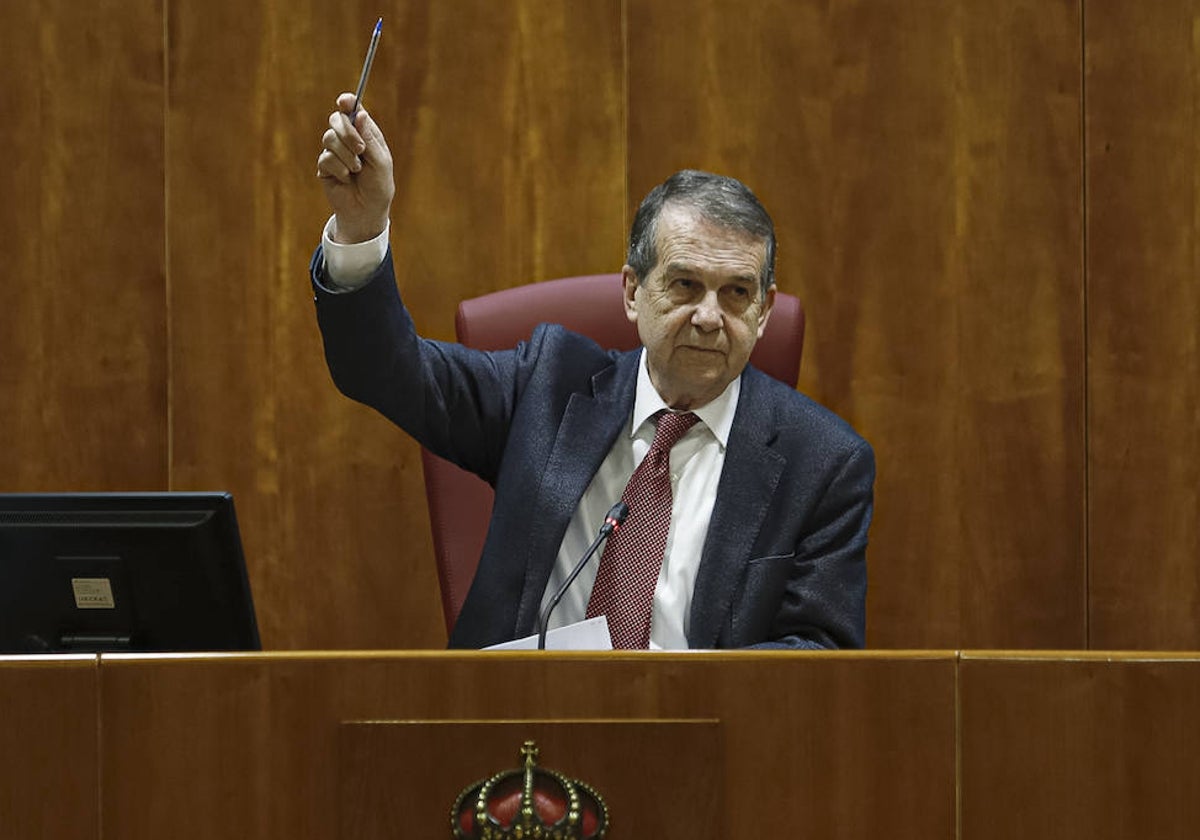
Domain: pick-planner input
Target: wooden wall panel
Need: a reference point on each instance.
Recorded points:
(82, 330)
(1096, 747)
(923, 164)
(1143, 180)
(858, 745)
(506, 124)
(49, 761)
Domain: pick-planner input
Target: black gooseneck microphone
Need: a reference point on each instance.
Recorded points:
(612, 521)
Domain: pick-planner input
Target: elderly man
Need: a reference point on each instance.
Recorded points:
(749, 504)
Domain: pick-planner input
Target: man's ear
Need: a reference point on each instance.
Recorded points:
(630, 282)
(765, 314)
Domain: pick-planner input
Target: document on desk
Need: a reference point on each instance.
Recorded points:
(591, 634)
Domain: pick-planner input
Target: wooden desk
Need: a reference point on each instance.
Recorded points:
(828, 746)
(1080, 745)
(48, 748)
(893, 745)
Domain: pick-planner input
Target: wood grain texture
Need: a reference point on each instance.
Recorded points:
(1094, 748)
(506, 125)
(923, 165)
(852, 746)
(1143, 309)
(49, 759)
(395, 776)
(82, 330)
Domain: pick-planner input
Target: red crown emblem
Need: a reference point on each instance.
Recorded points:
(530, 803)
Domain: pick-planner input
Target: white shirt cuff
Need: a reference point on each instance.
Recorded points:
(349, 266)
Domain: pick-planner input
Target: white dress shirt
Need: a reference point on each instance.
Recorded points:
(696, 463)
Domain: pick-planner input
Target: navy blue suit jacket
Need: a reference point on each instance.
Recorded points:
(784, 560)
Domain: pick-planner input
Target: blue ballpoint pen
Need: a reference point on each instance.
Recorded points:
(366, 71)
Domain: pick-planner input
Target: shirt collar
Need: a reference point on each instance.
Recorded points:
(717, 415)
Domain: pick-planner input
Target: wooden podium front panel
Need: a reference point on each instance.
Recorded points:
(1081, 746)
(48, 754)
(837, 745)
(659, 779)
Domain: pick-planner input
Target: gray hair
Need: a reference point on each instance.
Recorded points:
(719, 199)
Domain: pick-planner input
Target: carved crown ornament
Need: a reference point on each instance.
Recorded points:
(529, 803)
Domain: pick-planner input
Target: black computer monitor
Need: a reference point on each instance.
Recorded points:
(103, 572)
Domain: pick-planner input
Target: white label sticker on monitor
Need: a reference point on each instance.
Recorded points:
(93, 594)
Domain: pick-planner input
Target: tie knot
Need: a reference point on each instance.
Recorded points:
(671, 427)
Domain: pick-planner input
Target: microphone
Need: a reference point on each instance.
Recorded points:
(612, 521)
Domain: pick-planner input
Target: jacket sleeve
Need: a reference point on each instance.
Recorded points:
(455, 401)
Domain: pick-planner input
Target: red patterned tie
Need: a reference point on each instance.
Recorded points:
(629, 568)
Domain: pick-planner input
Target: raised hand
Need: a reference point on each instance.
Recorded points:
(355, 168)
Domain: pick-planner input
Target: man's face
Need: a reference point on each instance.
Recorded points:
(700, 311)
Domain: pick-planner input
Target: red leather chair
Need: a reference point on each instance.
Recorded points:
(460, 504)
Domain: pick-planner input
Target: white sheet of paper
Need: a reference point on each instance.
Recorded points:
(591, 634)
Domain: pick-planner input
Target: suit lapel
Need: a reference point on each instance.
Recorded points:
(585, 435)
(748, 483)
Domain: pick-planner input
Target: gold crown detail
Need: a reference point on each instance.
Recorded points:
(529, 803)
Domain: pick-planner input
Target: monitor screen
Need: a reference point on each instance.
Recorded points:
(104, 572)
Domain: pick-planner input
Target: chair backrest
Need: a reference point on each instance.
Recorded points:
(460, 504)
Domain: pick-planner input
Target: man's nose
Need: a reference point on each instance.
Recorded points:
(707, 315)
